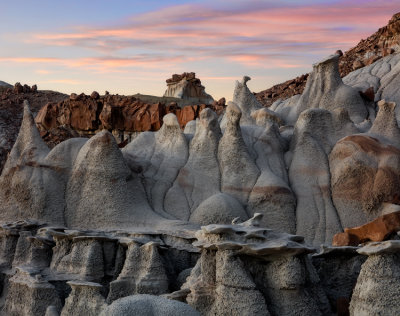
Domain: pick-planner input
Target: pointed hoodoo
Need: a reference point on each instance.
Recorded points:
(326, 90)
(246, 101)
(200, 177)
(238, 170)
(385, 124)
(29, 146)
(100, 192)
(26, 175)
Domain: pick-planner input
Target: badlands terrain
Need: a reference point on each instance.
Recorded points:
(185, 205)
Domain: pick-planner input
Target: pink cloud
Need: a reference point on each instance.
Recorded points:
(262, 36)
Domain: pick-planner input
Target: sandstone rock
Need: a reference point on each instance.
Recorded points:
(29, 295)
(315, 133)
(150, 278)
(84, 300)
(187, 86)
(345, 239)
(238, 171)
(378, 229)
(200, 178)
(117, 200)
(375, 155)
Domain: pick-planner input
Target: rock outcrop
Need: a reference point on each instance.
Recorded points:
(124, 116)
(382, 43)
(325, 90)
(187, 86)
(365, 169)
(206, 215)
(224, 280)
(11, 112)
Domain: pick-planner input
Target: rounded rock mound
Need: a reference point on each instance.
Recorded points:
(149, 305)
(220, 208)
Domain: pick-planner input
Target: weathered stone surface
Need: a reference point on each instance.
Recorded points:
(345, 239)
(365, 170)
(148, 305)
(187, 86)
(378, 286)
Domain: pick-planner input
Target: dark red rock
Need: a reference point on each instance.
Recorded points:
(368, 94)
(95, 95)
(378, 229)
(18, 88)
(345, 239)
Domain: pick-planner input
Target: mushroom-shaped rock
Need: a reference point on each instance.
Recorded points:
(148, 305)
(84, 300)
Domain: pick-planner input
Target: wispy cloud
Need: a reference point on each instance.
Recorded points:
(241, 33)
(226, 37)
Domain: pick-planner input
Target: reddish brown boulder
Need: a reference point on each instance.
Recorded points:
(378, 229)
(345, 239)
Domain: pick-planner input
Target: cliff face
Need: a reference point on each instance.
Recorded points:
(123, 115)
(384, 42)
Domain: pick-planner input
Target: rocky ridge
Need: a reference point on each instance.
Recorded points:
(382, 43)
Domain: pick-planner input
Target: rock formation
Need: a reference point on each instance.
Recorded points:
(11, 112)
(207, 215)
(382, 43)
(187, 86)
(123, 116)
(378, 287)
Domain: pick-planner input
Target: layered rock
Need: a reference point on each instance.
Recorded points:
(365, 170)
(187, 86)
(224, 283)
(124, 116)
(382, 43)
(315, 134)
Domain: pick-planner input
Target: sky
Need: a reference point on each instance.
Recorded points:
(130, 47)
